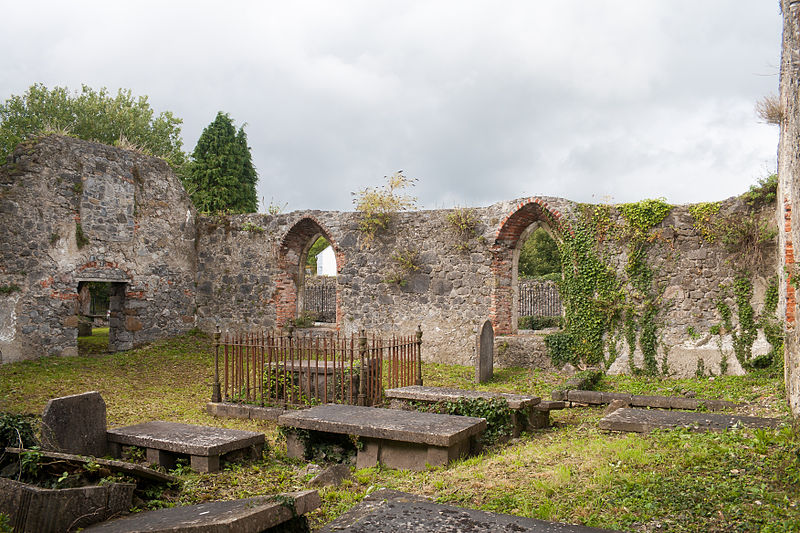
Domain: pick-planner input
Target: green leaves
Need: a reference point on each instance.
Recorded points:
(90, 115)
(221, 176)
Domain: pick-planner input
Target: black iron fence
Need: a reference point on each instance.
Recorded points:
(539, 298)
(301, 368)
(319, 298)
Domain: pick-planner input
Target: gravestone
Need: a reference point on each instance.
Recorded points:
(75, 424)
(484, 368)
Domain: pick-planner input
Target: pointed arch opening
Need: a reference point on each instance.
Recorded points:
(295, 303)
(527, 219)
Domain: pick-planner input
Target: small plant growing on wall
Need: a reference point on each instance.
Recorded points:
(464, 223)
(377, 205)
(80, 237)
(253, 228)
(405, 262)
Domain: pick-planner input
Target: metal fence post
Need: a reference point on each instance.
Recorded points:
(362, 377)
(216, 393)
(419, 354)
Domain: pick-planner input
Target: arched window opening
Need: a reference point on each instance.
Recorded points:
(319, 288)
(538, 270)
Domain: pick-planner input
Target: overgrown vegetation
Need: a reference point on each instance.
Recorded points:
(571, 472)
(377, 205)
(405, 261)
(464, 223)
(539, 256)
(80, 237)
(10, 288)
(91, 115)
(770, 110)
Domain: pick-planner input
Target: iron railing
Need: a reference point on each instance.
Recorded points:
(319, 298)
(539, 298)
(306, 368)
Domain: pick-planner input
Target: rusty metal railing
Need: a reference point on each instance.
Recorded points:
(307, 368)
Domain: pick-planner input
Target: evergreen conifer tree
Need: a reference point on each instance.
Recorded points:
(221, 176)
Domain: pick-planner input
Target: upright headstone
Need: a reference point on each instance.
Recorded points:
(75, 424)
(485, 364)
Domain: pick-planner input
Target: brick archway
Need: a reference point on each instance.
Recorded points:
(291, 258)
(505, 255)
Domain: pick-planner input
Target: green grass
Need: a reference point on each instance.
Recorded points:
(740, 480)
(95, 344)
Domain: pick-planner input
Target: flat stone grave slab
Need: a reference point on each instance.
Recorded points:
(520, 405)
(392, 437)
(388, 510)
(251, 515)
(203, 444)
(644, 420)
(635, 400)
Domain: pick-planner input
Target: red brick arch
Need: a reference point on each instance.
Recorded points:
(505, 257)
(294, 247)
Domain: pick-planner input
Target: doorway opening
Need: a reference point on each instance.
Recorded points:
(538, 271)
(100, 316)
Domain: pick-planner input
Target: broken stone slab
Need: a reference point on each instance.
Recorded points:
(636, 400)
(238, 410)
(390, 510)
(397, 439)
(251, 515)
(33, 509)
(75, 424)
(645, 420)
(331, 476)
(117, 466)
(204, 444)
(522, 417)
(419, 393)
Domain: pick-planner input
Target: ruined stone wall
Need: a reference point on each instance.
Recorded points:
(171, 270)
(73, 211)
(249, 269)
(789, 193)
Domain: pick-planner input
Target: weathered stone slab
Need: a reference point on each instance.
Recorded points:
(204, 444)
(251, 515)
(644, 420)
(237, 410)
(117, 466)
(407, 426)
(484, 368)
(75, 424)
(36, 510)
(389, 510)
(419, 393)
(657, 402)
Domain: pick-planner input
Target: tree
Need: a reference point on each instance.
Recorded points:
(93, 116)
(221, 176)
(539, 255)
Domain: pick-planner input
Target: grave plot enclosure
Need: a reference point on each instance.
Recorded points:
(302, 368)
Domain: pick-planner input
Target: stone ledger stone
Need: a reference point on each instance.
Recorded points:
(645, 420)
(389, 510)
(75, 424)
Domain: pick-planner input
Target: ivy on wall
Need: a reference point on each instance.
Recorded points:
(597, 304)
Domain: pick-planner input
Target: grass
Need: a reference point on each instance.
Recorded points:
(740, 480)
(94, 344)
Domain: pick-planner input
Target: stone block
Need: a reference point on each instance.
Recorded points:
(646, 420)
(331, 476)
(36, 510)
(251, 515)
(485, 361)
(75, 424)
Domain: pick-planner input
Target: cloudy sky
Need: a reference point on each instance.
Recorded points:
(481, 101)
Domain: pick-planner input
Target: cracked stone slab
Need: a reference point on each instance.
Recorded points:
(251, 515)
(420, 393)
(645, 420)
(636, 400)
(392, 511)
(185, 438)
(391, 424)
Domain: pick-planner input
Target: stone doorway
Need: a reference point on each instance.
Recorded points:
(101, 322)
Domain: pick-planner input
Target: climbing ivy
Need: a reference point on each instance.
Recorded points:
(704, 215)
(595, 299)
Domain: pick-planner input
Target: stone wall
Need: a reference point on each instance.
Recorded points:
(171, 270)
(73, 211)
(789, 192)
